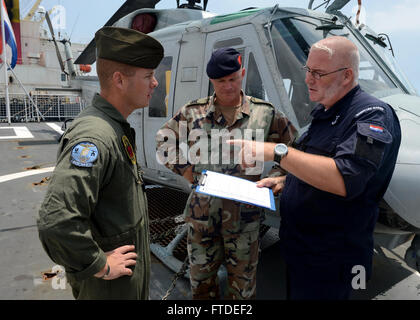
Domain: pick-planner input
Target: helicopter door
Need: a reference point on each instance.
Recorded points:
(161, 103)
(245, 40)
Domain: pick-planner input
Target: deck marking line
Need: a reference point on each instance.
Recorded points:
(28, 173)
(20, 133)
(55, 127)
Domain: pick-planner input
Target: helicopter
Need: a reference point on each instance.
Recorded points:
(274, 43)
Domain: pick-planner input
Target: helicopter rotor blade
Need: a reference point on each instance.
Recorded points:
(88, 56)
(60, 60)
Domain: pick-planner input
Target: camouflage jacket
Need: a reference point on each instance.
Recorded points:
(195, 128)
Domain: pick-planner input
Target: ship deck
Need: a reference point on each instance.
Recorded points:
(28, 153)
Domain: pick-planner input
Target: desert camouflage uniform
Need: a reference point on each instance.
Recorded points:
(220, 230)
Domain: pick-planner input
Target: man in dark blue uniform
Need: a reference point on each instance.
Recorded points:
(338, 173)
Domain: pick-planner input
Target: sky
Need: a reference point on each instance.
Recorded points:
(399, 19)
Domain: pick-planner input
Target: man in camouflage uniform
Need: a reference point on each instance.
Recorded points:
(94, 218)
(222, 231)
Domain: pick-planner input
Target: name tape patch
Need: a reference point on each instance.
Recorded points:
(369, 109)
(84, 154)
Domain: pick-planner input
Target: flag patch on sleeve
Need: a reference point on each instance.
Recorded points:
(376, 128)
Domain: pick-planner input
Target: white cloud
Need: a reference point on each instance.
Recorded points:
(399, 17)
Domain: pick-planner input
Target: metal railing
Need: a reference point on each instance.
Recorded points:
(50, 107)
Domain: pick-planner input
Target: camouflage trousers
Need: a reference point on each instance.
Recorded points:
(220, 232)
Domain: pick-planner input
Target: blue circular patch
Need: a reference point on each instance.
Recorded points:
(84, 154)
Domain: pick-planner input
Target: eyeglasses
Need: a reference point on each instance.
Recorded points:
(318, 75)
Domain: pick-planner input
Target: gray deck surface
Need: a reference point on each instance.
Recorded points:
(23, 258)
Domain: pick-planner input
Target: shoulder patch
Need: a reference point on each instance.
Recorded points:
(260, 101)
(198, 101)
(84, 154)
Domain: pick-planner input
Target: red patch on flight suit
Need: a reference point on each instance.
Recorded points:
(129, 149)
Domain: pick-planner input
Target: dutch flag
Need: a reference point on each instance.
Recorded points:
(376, 128)
(10, 36)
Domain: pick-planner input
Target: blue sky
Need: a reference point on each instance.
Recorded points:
(399, 19)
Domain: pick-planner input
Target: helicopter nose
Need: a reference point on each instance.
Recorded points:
(409, 152)
(403, 193)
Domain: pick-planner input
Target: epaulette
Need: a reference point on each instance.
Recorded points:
(198, 101)
(260, 101)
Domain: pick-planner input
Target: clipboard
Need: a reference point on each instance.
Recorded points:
(234, 188)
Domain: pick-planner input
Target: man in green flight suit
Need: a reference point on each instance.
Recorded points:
(221, 231)
(94, 218)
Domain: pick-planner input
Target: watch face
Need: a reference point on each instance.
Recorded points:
(280, 149)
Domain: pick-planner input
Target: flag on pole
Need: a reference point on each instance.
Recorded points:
(10, 36)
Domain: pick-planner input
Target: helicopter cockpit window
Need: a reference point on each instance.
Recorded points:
(228, 43)
(388, 57)
(292, 39)
(158, 107)
(291, 51)
(254, 85)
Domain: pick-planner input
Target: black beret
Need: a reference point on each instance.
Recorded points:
(223, 61)
(128, 46)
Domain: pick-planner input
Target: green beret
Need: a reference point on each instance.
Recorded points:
(128, 46)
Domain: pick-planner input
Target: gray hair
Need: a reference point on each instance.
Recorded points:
(322, 47)
(352, 56)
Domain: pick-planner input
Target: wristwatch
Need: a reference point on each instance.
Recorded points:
(280, 151)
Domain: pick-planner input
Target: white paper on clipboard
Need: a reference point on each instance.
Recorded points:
(234, 188)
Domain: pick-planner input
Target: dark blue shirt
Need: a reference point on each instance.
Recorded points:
(362, 134)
